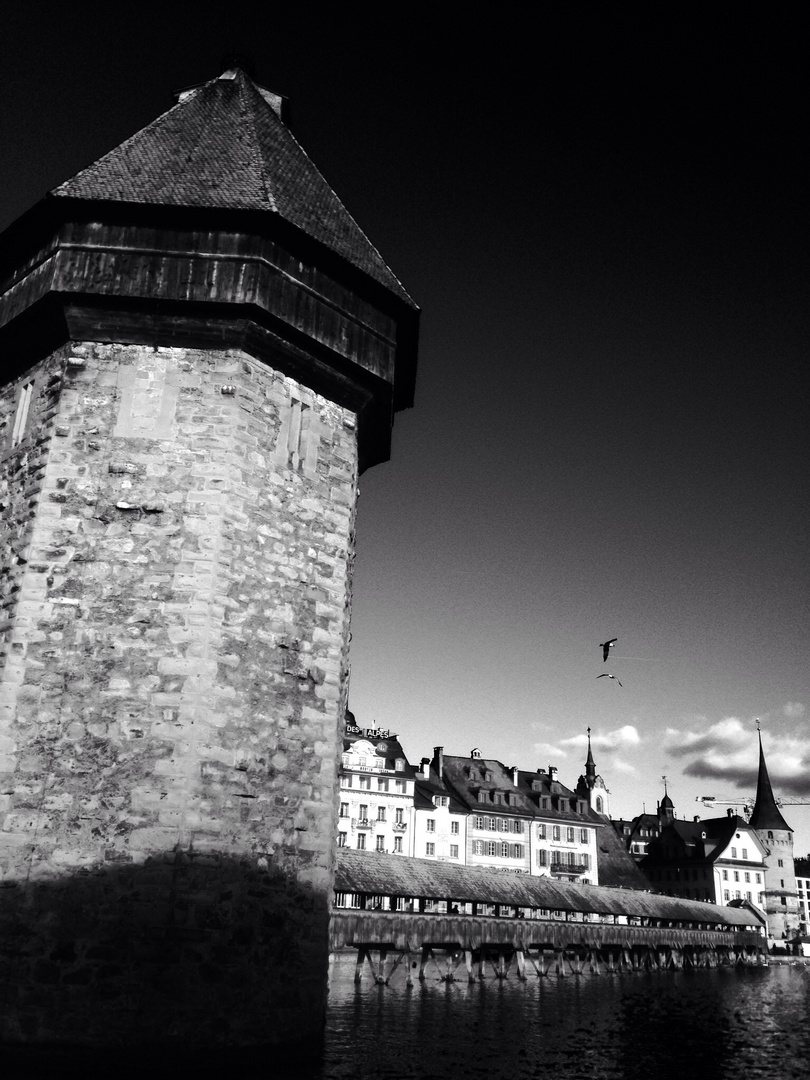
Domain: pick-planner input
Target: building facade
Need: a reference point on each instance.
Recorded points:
(376, 811)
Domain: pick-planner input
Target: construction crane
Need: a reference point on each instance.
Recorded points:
(746, 801)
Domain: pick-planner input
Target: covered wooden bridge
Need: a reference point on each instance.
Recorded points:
(410, 917)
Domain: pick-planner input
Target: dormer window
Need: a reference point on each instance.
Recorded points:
(399, 764)
(483, 796)
(537, 785)
(488, 776)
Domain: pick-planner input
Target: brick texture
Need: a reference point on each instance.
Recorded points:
(177, 543)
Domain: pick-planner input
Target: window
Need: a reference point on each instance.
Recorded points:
(599, 804)
(399, 787)
(504, 851)
(342, 839)
(583, 836)
(344, 809)
(21, 417)
(397, 845)
(361, 841)
(784, 901)
(478, 821)
(555, 832)
(482, 796)
(430, 824)
(491, 824)
(454, 851)
(478, 847)
(503, 825)
(542, 857)
(345, 781)
(517, 826)
(569, 835)
(745, 852)
(541, 832)
(572, 858)
(759, 879)
(363, 812)
(725, 895)
(399, 764)
(544, 804)
(454, 828)
(725, 875)
(734, 853)
(747, 877)
(736, 875)
(584, 859)
(364, 782)
(779, 862)
(380, 813)
(516, 851)
(430, 849)
(382, 785)
(399, 815)
(380, 843)
(491, 847)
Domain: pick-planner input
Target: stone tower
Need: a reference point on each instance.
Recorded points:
(780, 895)
(201, 352)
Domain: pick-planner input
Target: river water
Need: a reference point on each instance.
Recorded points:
(721, 1023)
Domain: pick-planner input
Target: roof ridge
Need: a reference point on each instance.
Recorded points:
(246, 84)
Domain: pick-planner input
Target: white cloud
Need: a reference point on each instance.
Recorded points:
(606, 742)
(544, 749)
(794, 709)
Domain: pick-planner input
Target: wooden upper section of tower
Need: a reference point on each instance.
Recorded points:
(211, 226)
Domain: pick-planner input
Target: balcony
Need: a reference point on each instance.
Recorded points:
(362, 823)
(399, 826)
(568, 868)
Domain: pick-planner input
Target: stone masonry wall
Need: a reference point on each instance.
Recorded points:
(177, 539)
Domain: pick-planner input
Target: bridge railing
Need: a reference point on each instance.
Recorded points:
(409, 932)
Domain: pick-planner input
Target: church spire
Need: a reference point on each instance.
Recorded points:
(766, 814)
(590, 765)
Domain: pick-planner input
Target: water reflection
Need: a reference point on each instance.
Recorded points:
(721, 1023)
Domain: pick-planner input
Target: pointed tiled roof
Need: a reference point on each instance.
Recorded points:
(766, 814)
(223, 146)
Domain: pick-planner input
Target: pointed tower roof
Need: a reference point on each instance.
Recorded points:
(766, 814)
(224, 146)
(590, 764)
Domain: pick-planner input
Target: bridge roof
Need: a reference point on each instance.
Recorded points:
(393, 875)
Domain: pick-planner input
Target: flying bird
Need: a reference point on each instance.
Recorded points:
(605, 675)
(606, 646)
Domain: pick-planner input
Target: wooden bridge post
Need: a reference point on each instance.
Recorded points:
(468, 963)
(520, 956)
(427, 952)
(358, 969)
(381, 965)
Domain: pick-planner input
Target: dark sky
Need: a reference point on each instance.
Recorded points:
(604, 221)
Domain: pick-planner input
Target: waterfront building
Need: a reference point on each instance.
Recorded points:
(440, 818)
(719, 859)
(780, 898)
(564, 833)
(801, 870)
(376, 809)
(499, 815)
(637, 833)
